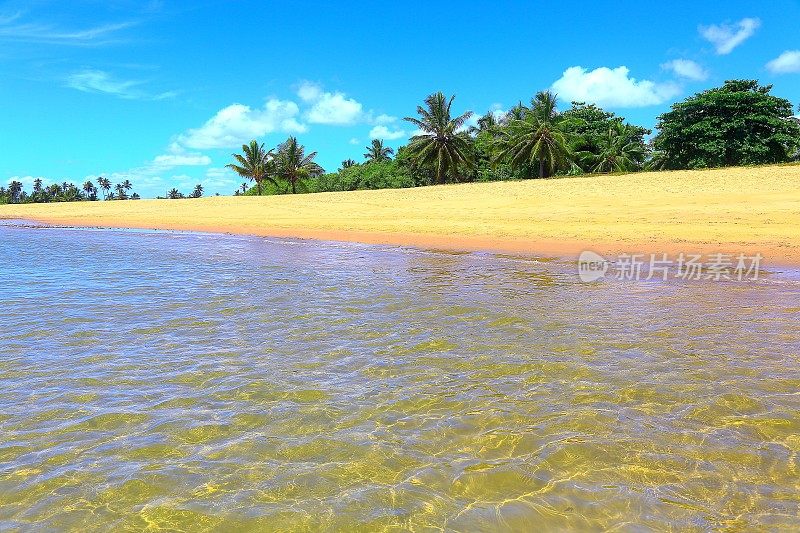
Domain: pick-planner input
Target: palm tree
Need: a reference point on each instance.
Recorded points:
(619, 151)
(105, 186)
(90, 190)
(539, 137)
(293, 164)
(440, 144)
(244, 188)
(198, 191)
(255, 165)
(54, 191)
(135, 196)
(127, 185)
(120, 188)
(174, 194)
(14, 191)
(347, 163)
(377, 152)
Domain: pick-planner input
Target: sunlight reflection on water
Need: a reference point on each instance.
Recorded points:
(190, 381)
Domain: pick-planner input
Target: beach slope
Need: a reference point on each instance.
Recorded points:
(731, 210)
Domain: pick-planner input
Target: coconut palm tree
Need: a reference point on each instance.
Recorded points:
(14, 191)
(198, 191)
(127, 185)
(619, 151)
(293, 165)
(377, 152)
(105, 186)
(539, 138)
(244, 188)
(347, 163)
(440, 145)
(90, 190)
(256, 164)
(174, 194)
(120, 188)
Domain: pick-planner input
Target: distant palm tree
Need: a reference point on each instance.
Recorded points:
(198, 191)
(244, 188)
(90, 190)
(539, 138)
(377, 152)
(120, 188)
(619, 150)
(54, 191)
(294, 165)
(14, 191)
(174, 194)
(127, 185)
(255, 165)
(441, 145)
(105, 186)
(347, 163)
(135, 196)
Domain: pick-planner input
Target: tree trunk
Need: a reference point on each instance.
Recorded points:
(258, 184)
(294, 188)
(541, 168)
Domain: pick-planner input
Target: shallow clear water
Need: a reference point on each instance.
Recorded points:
(191, 381)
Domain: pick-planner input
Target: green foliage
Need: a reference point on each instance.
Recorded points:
(540, 139)
(595, 130)
(293, 165)
(256, 164)
(377, 152)
(373, 175)
(442, 148)
(740, 123)
(619, 149)
(64, 192)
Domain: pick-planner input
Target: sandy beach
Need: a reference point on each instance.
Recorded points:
(730, 210)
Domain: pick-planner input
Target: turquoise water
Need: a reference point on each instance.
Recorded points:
(175, 381)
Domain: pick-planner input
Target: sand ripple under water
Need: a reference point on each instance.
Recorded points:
(189, 381)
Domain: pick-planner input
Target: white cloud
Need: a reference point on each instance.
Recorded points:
(181, 160)
(354, 141)
(309, 92)
(726, 37)
(329, 108)
(612, 87)
(385, 119)
(382, 132)
(97, 81)
(238, 124)
(14, 29)
(686, 68)
(787, 62)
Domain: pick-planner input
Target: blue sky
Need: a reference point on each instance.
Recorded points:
(162, 93)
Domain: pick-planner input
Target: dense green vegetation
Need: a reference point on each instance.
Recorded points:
(15, 193)
(740, 123)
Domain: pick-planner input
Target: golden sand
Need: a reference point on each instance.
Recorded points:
(729, 210)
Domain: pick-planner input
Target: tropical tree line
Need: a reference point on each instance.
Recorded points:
(739, 123)
(175, 194)
(67, 192)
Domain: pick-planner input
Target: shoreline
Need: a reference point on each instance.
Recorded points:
(558, 250)
(737, 210)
